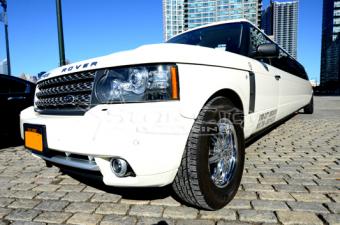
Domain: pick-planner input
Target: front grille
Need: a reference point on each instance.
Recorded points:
(67, 93)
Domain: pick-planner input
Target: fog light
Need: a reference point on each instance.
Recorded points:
(119, 167)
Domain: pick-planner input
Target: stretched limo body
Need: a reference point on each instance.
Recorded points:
(173, 113)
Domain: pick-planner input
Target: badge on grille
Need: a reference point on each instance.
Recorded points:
(69, 99)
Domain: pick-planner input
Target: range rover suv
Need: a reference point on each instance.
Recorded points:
(175, 113)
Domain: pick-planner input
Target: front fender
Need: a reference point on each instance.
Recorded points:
(199, 82)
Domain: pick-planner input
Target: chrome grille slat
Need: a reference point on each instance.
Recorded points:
(69, 93)
(71, 88)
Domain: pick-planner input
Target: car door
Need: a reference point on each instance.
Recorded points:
(293, 91)
(15, 95)
(266, 84)
(4, 107)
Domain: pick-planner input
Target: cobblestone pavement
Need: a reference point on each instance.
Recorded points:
(291, 176)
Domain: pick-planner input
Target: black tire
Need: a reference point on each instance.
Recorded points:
(309, 109)
(193, 183)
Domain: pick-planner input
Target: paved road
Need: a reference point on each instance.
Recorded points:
(291, 177)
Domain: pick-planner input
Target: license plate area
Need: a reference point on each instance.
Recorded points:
(35, 138)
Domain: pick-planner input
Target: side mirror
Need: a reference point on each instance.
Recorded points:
(269, 50)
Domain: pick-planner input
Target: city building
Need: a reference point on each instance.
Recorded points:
(280, 20)
(3, 67)
(330, 49)
(181, 15)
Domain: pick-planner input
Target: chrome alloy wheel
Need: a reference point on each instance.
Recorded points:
(223, 153)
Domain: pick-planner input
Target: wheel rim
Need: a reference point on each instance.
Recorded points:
(223, 153)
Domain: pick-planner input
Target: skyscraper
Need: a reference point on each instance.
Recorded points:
(280, 19)
(330, 52)
(181, 15)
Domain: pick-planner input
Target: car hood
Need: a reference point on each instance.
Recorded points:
(157, 53)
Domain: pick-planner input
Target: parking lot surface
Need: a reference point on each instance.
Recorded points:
(291, 176)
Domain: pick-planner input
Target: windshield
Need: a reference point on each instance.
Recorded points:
(226, 37)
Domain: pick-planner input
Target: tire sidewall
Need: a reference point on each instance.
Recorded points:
(214, 196)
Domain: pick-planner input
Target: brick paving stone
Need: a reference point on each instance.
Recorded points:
(331, 182)
(92, 190)
(180, 213)
(276, 196)
(67, 181)
(6, 201)
(146, 210)
(194, 222)
(335, 197)
(77, 196)
(169, 201)
(24, 194)
(245, 195)
(83, 207)
(113, 208)
(332, 219)
(4, 212)
(23, 187)
(134, 202)
(46, 187)
(257, 216)
(222, 222)
(298, 218)
(249, 180)
(50, 195)
(301, 181)
(272, 181)
(24, 204)
(239, 204)
(307, 207)
(22, 214)
(26, 223)
(322, 189)
(310, 197)
(71, 188)
(258, 187)
(155, 221)
(290, 188)
(269, 205)
(334, 207)
(106, 197)
(225, 214)
(53, 217)
(118, 220)
(85, 219)
(44, 180)
(52, 205)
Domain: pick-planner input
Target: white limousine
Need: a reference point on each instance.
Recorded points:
(177, 113)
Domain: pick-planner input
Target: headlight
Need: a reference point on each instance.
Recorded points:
(138, 84)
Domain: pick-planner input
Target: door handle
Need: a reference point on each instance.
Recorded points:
(277, 77)
(16, 98)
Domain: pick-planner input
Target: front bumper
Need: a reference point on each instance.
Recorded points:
(151, 137)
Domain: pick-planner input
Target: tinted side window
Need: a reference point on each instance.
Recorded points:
(282, 62)
(290, 65)
(17, 86)
(4, 86)
(12, 86)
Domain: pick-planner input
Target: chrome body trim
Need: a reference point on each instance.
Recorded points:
(71, 162)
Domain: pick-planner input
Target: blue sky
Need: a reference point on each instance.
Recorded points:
(95, 28)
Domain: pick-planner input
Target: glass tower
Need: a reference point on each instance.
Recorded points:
(181, 15)
(330, 52)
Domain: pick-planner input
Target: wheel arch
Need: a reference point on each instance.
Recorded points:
(231, 95)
